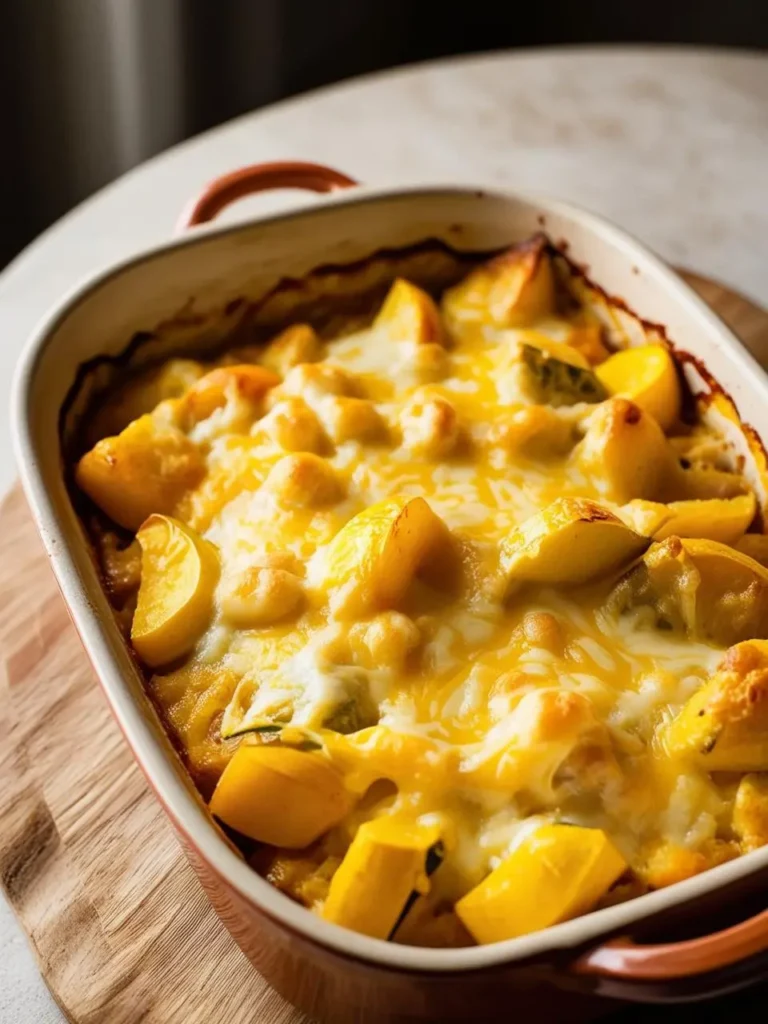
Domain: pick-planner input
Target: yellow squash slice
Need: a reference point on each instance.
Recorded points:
(701, 587)
(720, 519)
(280, 795)
(513, 290)
(556, 873)
(179, 573)
(373, 558)
(388, 862)
(625, 452)
(410, 314)
(573, 540)
(647, 376)
(724, 725)
(147, 468)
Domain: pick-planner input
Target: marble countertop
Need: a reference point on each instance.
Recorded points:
(670, 143)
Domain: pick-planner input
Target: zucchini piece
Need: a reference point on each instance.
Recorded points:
(700, 587)
(558, 381)
(179, 573)
(724, 725)
(556, 873)
(384, 871)
(573, 540)
(279, 795)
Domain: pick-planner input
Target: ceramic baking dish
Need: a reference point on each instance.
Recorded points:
(181, 296)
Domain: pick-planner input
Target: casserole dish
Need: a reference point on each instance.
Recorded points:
(185, 296)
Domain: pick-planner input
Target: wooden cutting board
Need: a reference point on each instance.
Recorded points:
(116, 918)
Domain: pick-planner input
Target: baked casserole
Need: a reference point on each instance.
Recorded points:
(458, 616)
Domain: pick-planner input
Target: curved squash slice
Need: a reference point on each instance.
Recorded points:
(702, 587)
(647, 376)
(512, 290)
(373, 558)
(144, 469)
(721, 519)
(280, 795)
(724, 725)
(179, 572)
(410, 314)
(571, 541)
(556, 873)
(387, 865)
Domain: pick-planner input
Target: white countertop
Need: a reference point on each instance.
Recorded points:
(670, 143)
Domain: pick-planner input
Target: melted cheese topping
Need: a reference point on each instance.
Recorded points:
(491, 709)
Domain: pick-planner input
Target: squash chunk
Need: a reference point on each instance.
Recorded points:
(558, 872)
(750, 811)
(550, 372)
(512, 290)
(625, 452)
(142, 470)
(387, 862)
(410, 314)
(179, 572)
(701, 587)
(295, 345)
(647, 376)
(280, 795)
(246, 382)
(571, 541)
(373, 558)
(721, 519)
(724, 725)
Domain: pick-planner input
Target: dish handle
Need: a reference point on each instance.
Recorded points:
(693, 968)
(245, 181)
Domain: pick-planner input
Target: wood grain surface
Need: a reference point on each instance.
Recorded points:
(115, 916)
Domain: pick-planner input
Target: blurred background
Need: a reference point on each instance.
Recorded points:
(94, 87)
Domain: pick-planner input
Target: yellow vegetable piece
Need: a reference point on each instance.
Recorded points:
(179, 572)
(558, 872)
(279, 795)
(385, 864)
(646, 375)
(295, 345)
(754, 545)
(373, 558)
(698, 484)
(646, 517)
(514, 289)
(750, 811)
(720, 519)
(554, 373)
(410, 314)
(702, 587)
(724, 725)
(246, 381)
(573, 540)
(144, 469)
(625, 452)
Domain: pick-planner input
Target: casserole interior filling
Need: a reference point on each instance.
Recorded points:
(459, 619)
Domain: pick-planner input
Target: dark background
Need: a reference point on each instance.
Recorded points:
(92, 87)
